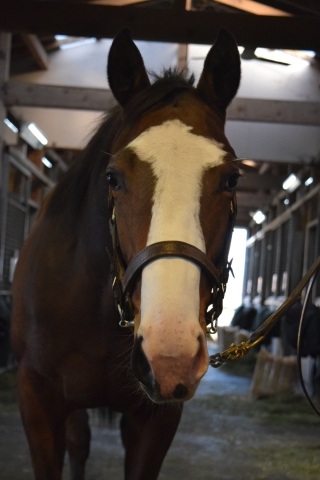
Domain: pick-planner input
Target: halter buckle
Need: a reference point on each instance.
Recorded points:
(212, 328)
(123, 322)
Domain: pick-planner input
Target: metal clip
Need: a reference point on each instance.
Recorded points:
(213, 327)
(123, 322)
(232, 353)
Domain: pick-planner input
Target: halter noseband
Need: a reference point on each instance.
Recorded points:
(124, 277)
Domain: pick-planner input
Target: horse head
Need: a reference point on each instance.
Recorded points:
(172, 177)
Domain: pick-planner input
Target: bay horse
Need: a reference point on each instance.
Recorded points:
(161, 172)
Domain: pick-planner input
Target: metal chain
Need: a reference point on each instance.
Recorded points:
(232, 353)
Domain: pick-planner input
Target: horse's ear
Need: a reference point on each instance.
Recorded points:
(126, 71)
(221, 73)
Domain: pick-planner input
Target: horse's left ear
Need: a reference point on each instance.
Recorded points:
(126, 71)
(221, 73)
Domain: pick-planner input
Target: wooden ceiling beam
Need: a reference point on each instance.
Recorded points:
(99, 99)
(257, 8)
(310, 7)
(37, 50)
(275, 111)
(155, 24)
(52, 96)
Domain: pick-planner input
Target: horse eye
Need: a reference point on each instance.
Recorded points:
(232, 182)
(113, 181)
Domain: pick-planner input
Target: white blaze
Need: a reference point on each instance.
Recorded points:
(170, 286)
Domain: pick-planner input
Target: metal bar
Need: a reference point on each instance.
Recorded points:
(283, 217)
(29, 165)
(18, 205)
(4, 211)
(18, 165)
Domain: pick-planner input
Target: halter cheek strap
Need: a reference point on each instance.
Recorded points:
(125, 276)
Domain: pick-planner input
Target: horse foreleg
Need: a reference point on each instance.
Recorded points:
(43, 418)
(78, 442)
(147, 436)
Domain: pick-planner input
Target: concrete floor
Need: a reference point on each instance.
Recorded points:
(223, 435)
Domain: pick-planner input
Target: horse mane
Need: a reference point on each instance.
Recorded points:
(71, 191)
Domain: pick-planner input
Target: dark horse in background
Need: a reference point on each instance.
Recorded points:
(161, 166)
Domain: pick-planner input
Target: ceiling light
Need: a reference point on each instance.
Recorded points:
(37, 133)
(280, 56)
(77, 43)
(291, 183)
(11, 125)
(308, 181)
(259, 217)
(32, 135)
(46, 162)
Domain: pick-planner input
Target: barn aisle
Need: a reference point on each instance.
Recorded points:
(223, 435)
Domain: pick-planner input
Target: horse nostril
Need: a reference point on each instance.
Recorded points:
(140, 365)
(180, 391)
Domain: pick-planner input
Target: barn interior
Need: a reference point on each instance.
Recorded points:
(53, 95)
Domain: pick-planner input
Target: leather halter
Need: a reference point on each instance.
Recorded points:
(125, 276)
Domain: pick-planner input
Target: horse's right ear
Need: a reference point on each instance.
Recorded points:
(126, 72)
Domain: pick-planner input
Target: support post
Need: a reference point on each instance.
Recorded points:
(5, 49)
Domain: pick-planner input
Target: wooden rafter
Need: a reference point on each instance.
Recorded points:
(37, 50)
(98, 99)
(156, 24)
(275, 111)
(311, 7)
(256, 8)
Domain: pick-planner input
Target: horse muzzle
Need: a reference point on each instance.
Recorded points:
(169, 378)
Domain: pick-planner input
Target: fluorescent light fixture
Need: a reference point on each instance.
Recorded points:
(281, 56)
(291, 183)
(308, 181)
(37, 133)
(77, 43)
(10, 125)
(46, 162)
(259, 217)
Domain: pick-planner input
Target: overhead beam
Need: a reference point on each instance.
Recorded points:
(154, 24)
(98, 99)
(307, 6)
(37, 50)
(254, 7)
(49, 96)
(275, 111)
